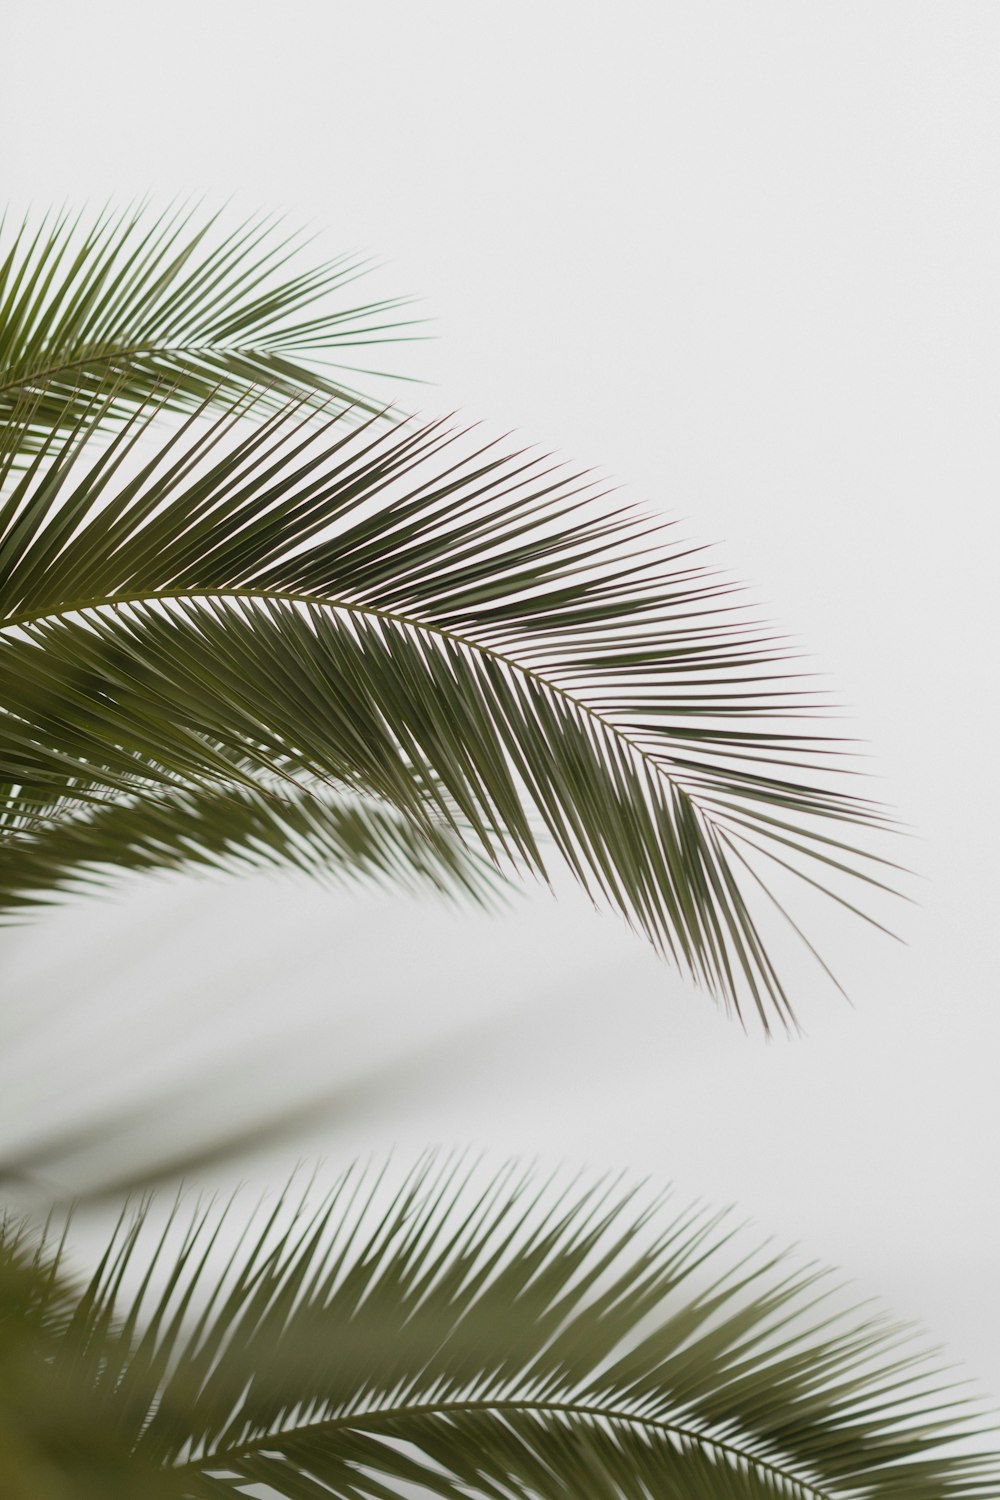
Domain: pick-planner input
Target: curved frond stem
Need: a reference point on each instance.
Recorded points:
(479, 635)
(486, 1335)
(386, 1418)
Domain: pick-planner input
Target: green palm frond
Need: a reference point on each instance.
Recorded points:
(475, 638)
(482, 1337)
(140, 303)
(82, 846)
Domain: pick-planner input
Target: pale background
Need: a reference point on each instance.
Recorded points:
(746, 259)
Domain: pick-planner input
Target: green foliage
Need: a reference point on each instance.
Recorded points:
(246, 622)
(333, 838)
(138, 306)
(475, 640)
(473, 1336)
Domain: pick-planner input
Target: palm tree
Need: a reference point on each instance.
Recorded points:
(463, 1335)
(281, 628)
(249, 617)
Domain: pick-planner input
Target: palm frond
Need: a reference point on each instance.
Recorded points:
(55, 1439)
(135, 303)
(83, 846)
(475, 638)
(491, 1337)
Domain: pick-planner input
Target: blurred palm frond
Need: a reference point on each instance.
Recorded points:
(467, 1335)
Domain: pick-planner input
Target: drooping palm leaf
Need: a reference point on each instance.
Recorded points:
(477, 1337)
(339, 839)
(473, 638)
(135, 304)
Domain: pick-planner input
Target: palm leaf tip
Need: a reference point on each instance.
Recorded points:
(475, 639)
(135, 303)
(487, 1336)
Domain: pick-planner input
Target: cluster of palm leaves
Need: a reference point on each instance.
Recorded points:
(250, 617)
(285, 628)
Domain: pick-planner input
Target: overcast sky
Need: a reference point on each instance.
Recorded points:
(745, 259)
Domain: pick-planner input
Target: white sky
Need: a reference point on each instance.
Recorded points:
(744, 257)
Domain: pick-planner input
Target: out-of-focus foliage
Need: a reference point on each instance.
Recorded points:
(464, 1336)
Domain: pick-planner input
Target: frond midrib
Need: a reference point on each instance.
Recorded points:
(366, 1420)
(124, 351)
(398, 617)
(609, 725)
